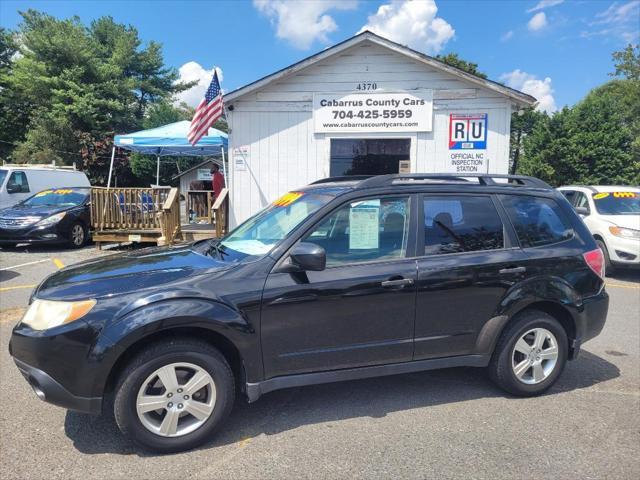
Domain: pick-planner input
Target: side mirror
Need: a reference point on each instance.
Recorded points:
(583, 211)
(309, 257)
(13, 188)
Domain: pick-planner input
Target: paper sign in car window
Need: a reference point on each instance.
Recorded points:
(44, 193)
(625, 194)
(600, 195)
(287, 199)
(63, 191)
(364, 227)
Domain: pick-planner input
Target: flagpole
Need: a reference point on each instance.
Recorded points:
(113, 155)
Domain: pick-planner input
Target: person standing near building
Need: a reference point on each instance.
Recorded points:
(217, 180)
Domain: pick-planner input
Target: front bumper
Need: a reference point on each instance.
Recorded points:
(624, 251)
(49, 390)
(33, 234)
(59, 365)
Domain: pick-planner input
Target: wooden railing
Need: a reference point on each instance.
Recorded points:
(169, 218)
(127, 208)
(199, 204)
(220, 213)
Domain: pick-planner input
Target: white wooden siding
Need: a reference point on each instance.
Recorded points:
(276, 125)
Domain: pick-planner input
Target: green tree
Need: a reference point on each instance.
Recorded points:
(75, 86)
(627, 63)
(454, 60)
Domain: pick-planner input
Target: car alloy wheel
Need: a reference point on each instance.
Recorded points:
(534, 356)
(176, 399)
(77, 235)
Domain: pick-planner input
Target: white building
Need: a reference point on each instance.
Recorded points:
(364, 106)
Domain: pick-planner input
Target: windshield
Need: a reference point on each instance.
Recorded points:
(3, 175)
(258, 235)
(617, 203)
(61, 197)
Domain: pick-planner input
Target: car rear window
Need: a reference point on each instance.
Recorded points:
(461, 224)
(617, 203)
(537, 221)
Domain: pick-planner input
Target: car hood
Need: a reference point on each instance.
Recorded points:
(128, 272)
(624, 221)
(41, 211)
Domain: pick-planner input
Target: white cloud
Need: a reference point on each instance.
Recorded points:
(619, 20)
(537, 22)
(302, 22)
(530, 84)
(190, 72)
(505, 37)
(411, 23)
(542, 4)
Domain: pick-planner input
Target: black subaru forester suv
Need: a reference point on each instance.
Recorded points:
(346, 278)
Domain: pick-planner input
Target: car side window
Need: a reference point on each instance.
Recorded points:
(461, 224)
(537, 221)
(18, 179)
(581, 201)
(570, 195)
(364, 230)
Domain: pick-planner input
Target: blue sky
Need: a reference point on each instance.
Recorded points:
(557, 50)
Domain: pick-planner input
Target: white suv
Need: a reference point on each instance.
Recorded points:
(612, 214)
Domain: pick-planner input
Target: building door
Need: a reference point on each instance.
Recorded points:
(374, 156)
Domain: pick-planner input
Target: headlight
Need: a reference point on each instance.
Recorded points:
(625, 232)
(52, 219)
(44, 314)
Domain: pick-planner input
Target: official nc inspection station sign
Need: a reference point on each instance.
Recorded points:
(468, 131)
(373, 112)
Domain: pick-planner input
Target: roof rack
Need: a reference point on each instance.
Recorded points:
(51, 165)
(345, 178)
(483, 179)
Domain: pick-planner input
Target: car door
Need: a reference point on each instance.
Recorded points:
(468, 260)
(360, 309)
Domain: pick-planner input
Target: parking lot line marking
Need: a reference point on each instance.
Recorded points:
(24, 264)
(58, 263)
(622, 285)
(16, 287)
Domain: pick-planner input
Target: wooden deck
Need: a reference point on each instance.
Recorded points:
(146, 215)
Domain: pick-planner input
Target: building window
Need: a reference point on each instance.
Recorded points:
(376, 156)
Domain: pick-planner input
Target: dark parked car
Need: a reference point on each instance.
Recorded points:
(57, 215)
(346, 278)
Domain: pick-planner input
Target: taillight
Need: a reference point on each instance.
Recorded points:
(595, 260)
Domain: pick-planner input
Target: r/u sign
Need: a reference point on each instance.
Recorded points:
(468, 131)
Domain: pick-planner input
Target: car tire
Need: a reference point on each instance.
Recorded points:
(78, 235)
(529, 368)
(609, 269)
(135, 390)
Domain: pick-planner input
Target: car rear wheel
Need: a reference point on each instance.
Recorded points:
(78, 235)
(174, 395)
(530, 355)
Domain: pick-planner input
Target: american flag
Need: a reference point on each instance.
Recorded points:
(208, 112)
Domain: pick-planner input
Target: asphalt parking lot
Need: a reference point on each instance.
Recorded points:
(440, 424)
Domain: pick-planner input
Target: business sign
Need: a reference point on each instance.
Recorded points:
(204, 174)
(373, 112)
(468, 131)
(240, 157)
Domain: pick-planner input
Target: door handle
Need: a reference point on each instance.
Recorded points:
(504, 271)
(400, 282)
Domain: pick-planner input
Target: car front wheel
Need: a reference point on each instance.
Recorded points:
(174, 395)
(77, 235)
(530, 355)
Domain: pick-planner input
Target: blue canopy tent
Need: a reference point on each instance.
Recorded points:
(171, 140)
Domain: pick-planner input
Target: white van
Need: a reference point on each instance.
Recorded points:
(18, 182)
